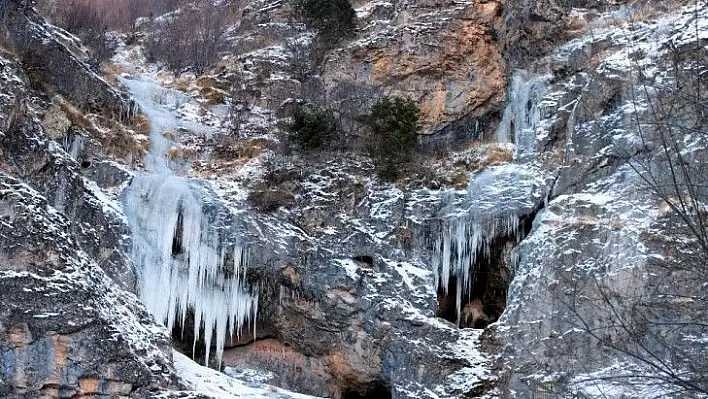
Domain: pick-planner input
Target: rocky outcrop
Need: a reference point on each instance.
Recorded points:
(54, 61)
(440, 54)
(29, 155)
(363, 289)
(587, 309)
(65, 328)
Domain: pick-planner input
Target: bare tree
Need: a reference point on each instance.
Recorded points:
(238, 109)
(191, 39)
(300, 65)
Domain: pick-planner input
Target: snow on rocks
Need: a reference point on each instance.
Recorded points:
(205, 381)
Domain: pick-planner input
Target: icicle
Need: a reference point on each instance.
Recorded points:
(522, 115)
(77, 145)
(463, 238)
(179, 253)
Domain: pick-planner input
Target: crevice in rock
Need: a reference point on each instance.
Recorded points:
(366, 259)
(376, 391)
(183, 338)
(483, 299)
(86, 164)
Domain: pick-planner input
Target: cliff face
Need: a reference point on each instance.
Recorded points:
(489, 274)
(441, 54)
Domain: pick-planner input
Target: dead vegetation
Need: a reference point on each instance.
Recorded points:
(182, 154)
(229, 148)
(125, 143)
(496, 155)
(269, 199)
(455, 169)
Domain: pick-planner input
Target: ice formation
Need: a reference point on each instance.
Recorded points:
(495, 205)
(187, 254)
(523, 113)
(498, 199)
(463, 240)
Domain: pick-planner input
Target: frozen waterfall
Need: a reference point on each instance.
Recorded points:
(498, 199)
(186, 244)
(495, 205)
(523, 113)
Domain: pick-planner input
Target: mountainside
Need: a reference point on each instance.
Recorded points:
(545, 235)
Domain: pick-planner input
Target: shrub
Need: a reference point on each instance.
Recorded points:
(312, 128)
(331, 18)
(396, 126)
(269, 199)
(190, 39)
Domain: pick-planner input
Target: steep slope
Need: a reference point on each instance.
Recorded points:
(528, 257)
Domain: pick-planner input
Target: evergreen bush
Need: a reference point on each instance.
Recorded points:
(396, 126)
(312, 128)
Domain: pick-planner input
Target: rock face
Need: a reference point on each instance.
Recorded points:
(66, 329)
(351, 287)
(53, 60)
(586, 302)
(440, 54)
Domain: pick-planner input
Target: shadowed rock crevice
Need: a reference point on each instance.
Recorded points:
(484, 299)
(376, 391)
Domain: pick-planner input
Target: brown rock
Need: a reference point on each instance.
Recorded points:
(449, 64)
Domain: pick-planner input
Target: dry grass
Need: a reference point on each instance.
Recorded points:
(112, 71)
(558, 156)
(170, 135)
(127, 143)
(576, 27)
(123, 144)
(77, 118)
(461, 180)
(640, 13)
(212, 96)
(229, 148)
(211, 90)
(617, 224)
(644, 14)
(496, 155)
(206, 81)
(141, 125)
(182, 84)
(404, 236)
(55, 122)
(181, 153)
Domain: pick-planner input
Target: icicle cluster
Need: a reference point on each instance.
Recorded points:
(464, 239)
(495, 206)
(498, 197)
(183, 263)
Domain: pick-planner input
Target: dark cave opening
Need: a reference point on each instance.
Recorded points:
(447, 301)
(86, 164)
(366, 259)
(183, 339)
(377, 391)
(484, 299)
